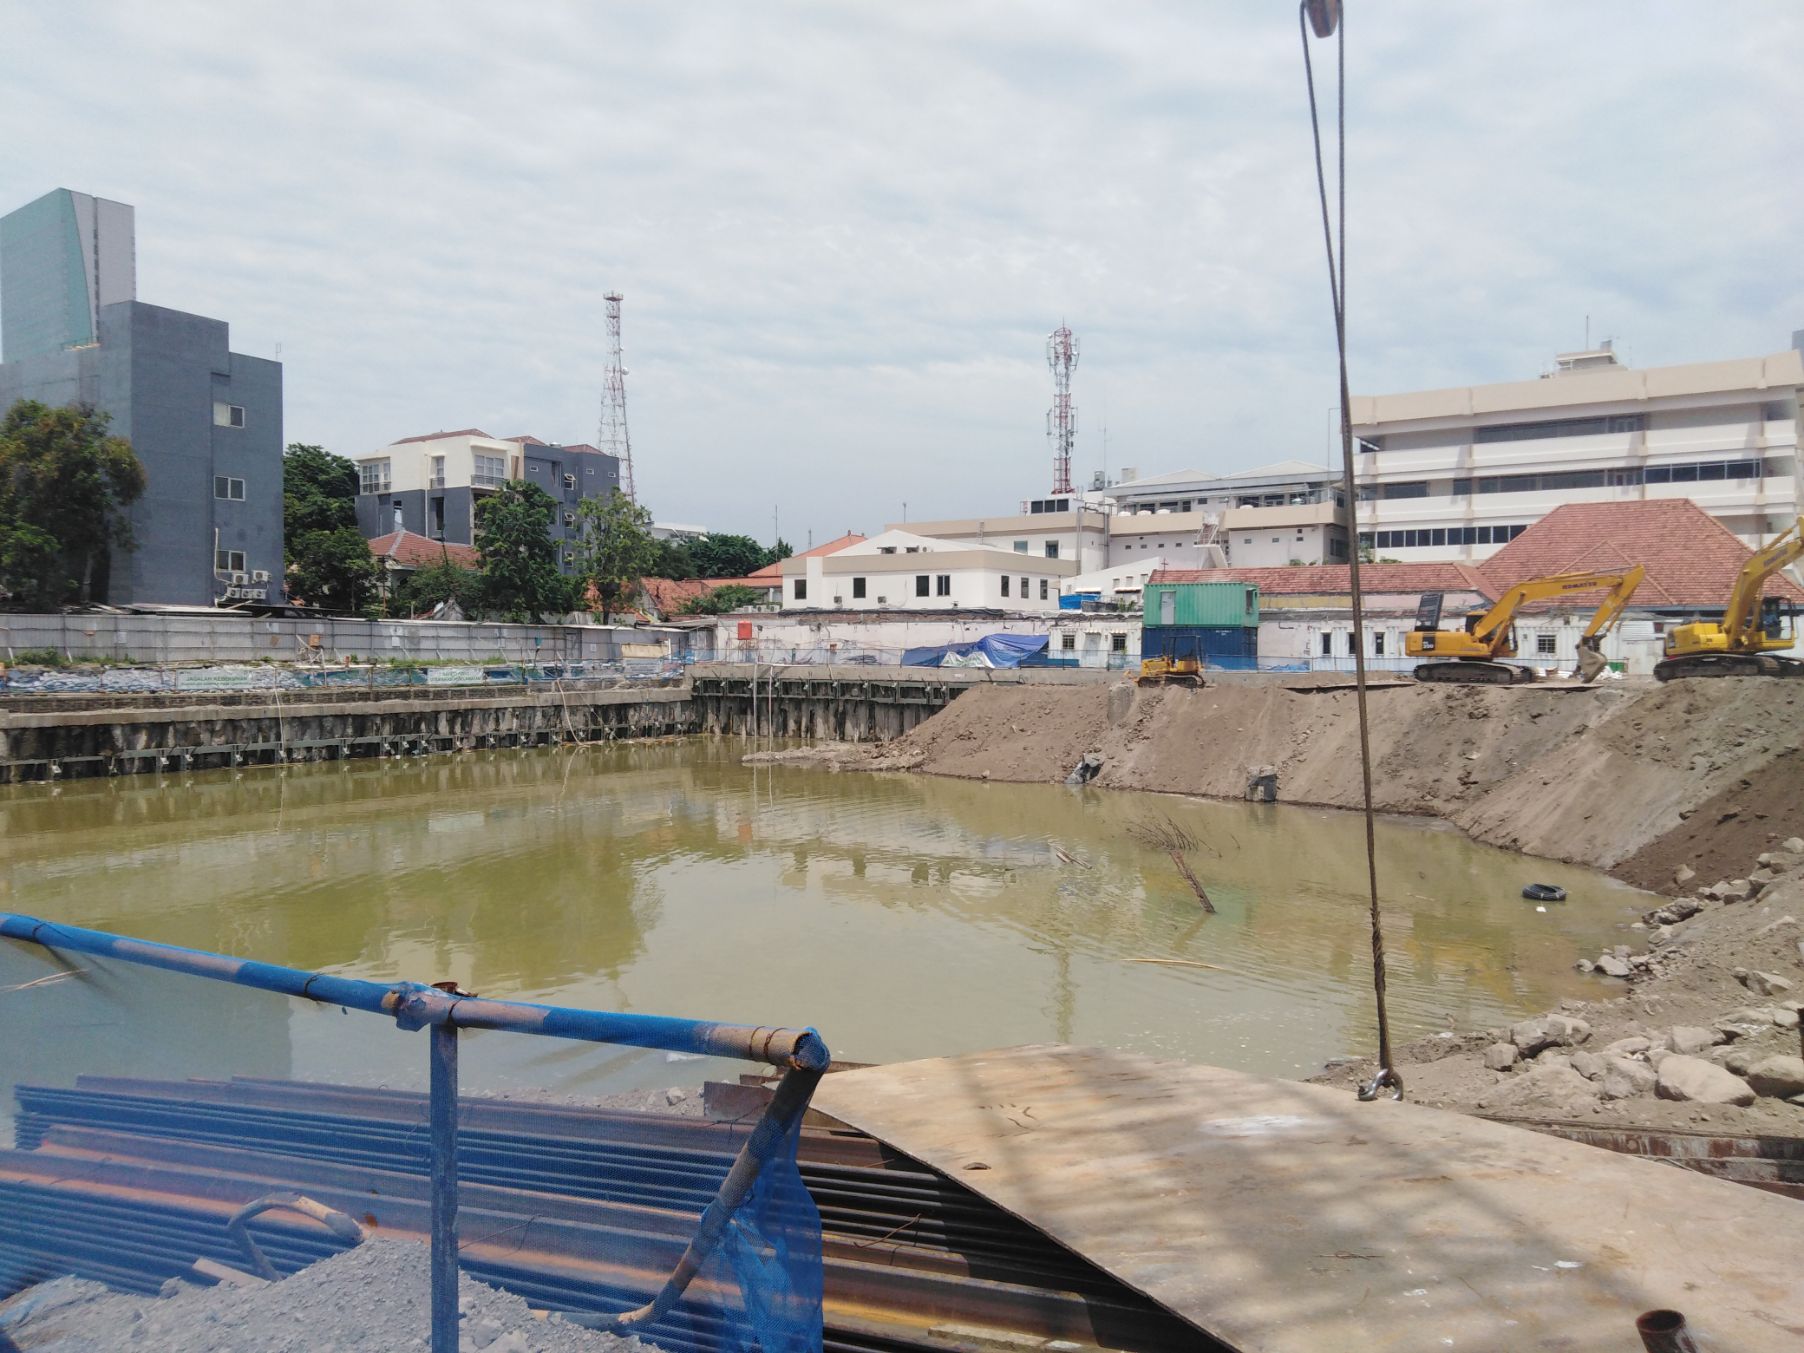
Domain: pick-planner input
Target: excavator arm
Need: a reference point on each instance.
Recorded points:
(1742, 615)
(1494, 625)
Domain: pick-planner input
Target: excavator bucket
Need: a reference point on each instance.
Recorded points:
(1591, 663)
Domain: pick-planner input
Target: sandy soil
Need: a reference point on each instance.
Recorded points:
(1593, 775)
(372, 1298)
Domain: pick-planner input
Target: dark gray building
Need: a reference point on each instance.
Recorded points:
(205, 421)
(430, 485)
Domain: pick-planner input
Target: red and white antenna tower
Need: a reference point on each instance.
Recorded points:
(612, 436)
(1061, 418)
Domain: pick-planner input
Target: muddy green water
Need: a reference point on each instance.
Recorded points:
(901, 916)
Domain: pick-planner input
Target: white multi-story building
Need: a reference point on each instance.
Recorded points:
(1457, 474)
(901, 571)
(1289, 512)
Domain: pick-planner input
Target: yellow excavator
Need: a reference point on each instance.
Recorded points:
(1751, 627)
(1474, 655)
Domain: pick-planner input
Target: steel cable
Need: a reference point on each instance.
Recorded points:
(1387, 1076)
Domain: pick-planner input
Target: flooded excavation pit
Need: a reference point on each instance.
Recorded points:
(905, 916)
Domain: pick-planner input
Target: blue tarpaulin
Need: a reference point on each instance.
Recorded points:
(993, 650)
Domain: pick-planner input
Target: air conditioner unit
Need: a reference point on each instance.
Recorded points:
(569, 481)
(839, 601)
(883, 601)
(239, 579)
(260, 575)
(570, 519)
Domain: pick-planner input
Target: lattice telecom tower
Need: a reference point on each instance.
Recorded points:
(612, 436)
(1061, 418)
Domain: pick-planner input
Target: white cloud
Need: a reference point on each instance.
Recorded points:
(843, 231)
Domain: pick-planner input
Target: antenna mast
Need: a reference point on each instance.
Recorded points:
(1061, 418)
(612, 436)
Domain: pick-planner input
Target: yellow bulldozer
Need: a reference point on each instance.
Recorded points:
(1752, 626)
(1476, 653)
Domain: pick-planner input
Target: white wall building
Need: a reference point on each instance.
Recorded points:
(1456, 474)
(1271, 516)
(1123, 584)
(901, 571)
(1065, 529)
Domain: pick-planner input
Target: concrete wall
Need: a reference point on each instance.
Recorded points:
(838, 636)
(240, 638)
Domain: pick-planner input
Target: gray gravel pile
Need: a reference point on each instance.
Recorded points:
(372, 1299)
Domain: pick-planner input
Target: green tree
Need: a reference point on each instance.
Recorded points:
(777, 553)
(720, 600)
(520, 578)
(616, 548)
(427, 587)
(65, 487)
(329, 563)
(673, 561)
(727, 556)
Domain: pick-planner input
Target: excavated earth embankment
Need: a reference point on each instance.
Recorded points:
(1621, 777)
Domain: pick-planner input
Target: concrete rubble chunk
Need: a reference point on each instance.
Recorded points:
(1584, 965)
(1695, 1081)
(1612, 966)
(1784, 922)
(1626, 1078)
(1688, 1040)
(1767, 983)
(1747, 1020)
(1549, 1031)
(1785, 1019)
(1779, 1076)
(1502, 1056)
(1626, 1047)
(1793, 845)
(1682, 875)
(1589, 1065)
(1736, 890)
(1684, 908)
(1541, 1088)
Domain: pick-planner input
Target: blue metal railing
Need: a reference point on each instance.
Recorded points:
(445, 1010)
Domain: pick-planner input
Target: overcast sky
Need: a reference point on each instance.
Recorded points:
(844, 230)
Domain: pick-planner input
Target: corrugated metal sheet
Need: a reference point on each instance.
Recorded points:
(1211, 643)
(1223, 603)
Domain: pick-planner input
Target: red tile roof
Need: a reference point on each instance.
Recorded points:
(1691, 558)
(525, 439)
(667, 595)
(774, 572)
(1336, 579)
(405, 549)
(434, 436)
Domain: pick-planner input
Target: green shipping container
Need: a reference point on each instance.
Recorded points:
(1201, 604)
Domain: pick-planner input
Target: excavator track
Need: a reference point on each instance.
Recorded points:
(1469, 672)
(1727, 665)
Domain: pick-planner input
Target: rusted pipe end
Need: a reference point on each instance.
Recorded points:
(1664, 1331)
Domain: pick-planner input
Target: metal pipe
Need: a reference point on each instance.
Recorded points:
(444, 1188)
(414, 1006)
(1665, 1332)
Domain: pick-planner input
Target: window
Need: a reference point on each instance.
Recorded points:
(1561, 427)
(1415, 488)
(1377, 643)
(228, 561)
(942, 585)
(437, 481)
(1544, 645)
(224, 486)
(1024, 589)
(1067, 641)
(372, 476)
(1005, 584)
(1052, 549)
(1350, 648)
(488, 472)
(1043, 596)
(436, 518)
(1020, 547)
(228, 415)
(886, 549)
(1327, 644)
(801, 589)
(921, 585)
(857, 587)
(1118, 642)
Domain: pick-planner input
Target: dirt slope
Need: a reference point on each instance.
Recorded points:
(1591, 775)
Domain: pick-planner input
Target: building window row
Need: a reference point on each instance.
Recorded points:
(228, 561)
(488, 472)
(1430, 537)
(1043, 505)
(1624, 476)
(228, 415)
(373, 476)
(229, 488)
(1561, 427)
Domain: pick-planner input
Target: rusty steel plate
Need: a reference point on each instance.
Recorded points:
(1288, 1218)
